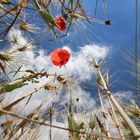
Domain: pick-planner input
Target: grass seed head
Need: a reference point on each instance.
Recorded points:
(5, 57)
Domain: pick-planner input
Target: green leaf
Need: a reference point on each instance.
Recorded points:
(11, 86)
(71, 2)
(47, 18)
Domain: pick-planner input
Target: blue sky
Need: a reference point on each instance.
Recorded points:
(83, 41)
(119, 37)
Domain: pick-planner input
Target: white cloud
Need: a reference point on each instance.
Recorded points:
(78, 64)
(78, 67)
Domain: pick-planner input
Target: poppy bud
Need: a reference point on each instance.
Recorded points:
(107, 22)
(77, 99)
(60, 57)
(60, 24)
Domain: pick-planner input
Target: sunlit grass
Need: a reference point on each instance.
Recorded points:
(34, 102)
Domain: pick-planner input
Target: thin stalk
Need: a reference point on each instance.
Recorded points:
(116, 120)
(3, 8)
(105, 9)
(50, 133)
(129, 122)
(54, 126)
(105, 117)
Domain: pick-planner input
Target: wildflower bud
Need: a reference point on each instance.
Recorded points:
(107, 22)
(60, 24)
(24, 26)
(77, 99)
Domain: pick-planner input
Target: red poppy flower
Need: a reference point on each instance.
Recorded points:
(60, 23)
(60, 57)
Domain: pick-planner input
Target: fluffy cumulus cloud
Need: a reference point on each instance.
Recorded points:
(78, 68)
(78, 65)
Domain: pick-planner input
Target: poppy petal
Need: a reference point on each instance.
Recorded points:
(60, 23)
(60, 57)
